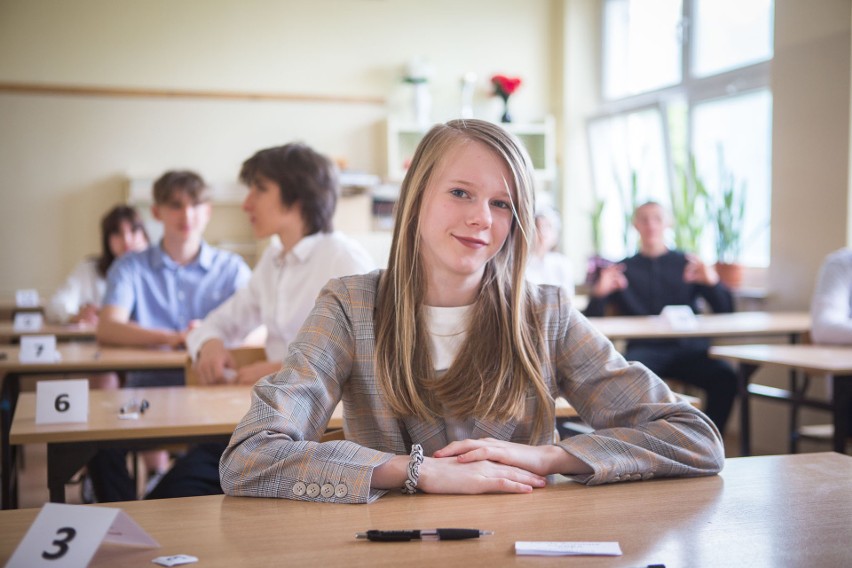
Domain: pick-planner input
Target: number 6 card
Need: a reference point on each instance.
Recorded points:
(69, 535)
(62, 401)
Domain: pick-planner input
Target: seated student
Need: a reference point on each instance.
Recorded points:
(546, 266)
(656, 277)
(79, 298)
(292, 193)
(154, 297)
(451, 356)
(831, 305)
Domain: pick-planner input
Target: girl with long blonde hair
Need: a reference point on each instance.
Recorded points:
(448, 362)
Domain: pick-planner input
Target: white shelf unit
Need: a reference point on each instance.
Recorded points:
(539, 139)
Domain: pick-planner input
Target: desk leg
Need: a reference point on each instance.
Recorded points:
(63, 461)
(8, 475)
(842, 396)
(744, 374)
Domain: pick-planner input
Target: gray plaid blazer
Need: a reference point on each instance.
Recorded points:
(641, 429)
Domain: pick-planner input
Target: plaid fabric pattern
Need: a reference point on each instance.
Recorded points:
(642, 430)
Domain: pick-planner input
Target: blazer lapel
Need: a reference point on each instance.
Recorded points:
(500, 430)
(431, 435)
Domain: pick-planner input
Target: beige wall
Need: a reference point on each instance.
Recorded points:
(64, 158)
(810, 143)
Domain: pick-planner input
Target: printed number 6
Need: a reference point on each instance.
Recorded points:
(60, 543)
(61, 403)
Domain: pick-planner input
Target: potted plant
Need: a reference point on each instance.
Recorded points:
(729, 218)
(690, 206)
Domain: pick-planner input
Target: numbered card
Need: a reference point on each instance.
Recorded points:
(69, 535)
(679, 317)
(62, 401)
(39, 349)
(27, 298)
(28, 321)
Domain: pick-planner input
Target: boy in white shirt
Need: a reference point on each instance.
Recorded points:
(292, 194)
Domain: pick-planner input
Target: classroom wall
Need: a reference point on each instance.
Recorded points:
(65, 159)
(810, 143)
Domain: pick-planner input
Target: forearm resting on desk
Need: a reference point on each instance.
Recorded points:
(113, 332)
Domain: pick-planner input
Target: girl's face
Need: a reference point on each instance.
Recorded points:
(127, 239)
(267, 215)
(466, 214)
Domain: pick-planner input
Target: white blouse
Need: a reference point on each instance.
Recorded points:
(281, 292)
(83, 286)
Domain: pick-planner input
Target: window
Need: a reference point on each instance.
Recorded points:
(685, 92)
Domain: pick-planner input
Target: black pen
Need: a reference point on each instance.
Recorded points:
(424, 534)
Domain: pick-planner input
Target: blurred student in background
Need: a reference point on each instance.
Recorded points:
(546, 265)
(154, 297)
(656, 277)
(292, 195)
(79, 299)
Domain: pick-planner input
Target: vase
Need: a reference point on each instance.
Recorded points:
(506, 116)
(731, 275)
(422, 104)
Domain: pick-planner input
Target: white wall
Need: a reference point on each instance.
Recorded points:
(63, 158)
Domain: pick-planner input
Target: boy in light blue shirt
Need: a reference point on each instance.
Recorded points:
(155, 297)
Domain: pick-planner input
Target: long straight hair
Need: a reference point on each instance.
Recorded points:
(500, 365)
(111, 225)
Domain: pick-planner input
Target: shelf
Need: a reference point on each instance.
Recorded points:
(538, 138)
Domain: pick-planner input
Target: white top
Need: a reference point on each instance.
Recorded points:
(447, 331)
(83, 286)
(281, 292)
(831, 307)
(554, 268)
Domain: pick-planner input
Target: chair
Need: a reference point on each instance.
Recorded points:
(242, 356)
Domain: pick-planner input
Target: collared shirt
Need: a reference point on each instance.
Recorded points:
(162, 294)
(831, 307)
(281, 292)
(83, 286)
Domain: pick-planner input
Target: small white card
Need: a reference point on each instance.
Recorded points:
(679, 317)
(64, 536)
(28, 321)
(528, 548)
(59, 402)
(27, 298)
(39, 349)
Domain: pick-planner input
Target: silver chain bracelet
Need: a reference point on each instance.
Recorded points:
(410, 487)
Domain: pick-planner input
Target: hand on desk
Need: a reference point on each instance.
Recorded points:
(212, 360)
(539, 460)
(253, 372)
(87, 314)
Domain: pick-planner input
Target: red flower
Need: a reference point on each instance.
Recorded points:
(505, 86)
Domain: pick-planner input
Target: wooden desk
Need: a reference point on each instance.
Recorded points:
(8, 309)
(739, 324)
(70, 332)
(764, 511)
(76, 358)
(812, 359)
(192, 414)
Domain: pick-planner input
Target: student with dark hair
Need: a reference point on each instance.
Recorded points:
(292, 193)
(448, 362)
(79, 298)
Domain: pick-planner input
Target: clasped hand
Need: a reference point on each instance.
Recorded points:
(494, 466)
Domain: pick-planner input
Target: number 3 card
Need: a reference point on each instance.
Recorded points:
(69, 535)
(62, 401)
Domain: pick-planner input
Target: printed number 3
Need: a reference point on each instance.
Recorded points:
(61, 544)
(61, 403)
